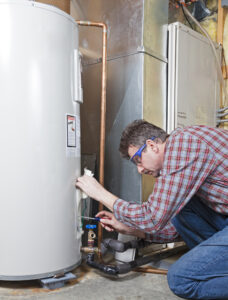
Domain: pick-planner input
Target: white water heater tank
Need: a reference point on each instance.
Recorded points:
(40, 96)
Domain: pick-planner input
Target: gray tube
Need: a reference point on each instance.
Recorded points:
(222, 109)
(222, 115)
(118, 246)
(222, 121)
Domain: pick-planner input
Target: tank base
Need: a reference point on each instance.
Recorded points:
(39, 276)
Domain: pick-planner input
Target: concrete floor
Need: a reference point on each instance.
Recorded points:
(91, 285)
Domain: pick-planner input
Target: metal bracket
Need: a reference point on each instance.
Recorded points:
(56, 283)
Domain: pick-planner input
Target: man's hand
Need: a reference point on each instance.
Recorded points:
(90, 186)
(95, 190)
(110, 223)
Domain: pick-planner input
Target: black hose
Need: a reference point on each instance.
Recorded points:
(111, 270)
(116, 269)
(127, 267)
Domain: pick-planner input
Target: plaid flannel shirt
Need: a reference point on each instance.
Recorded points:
(195, 163)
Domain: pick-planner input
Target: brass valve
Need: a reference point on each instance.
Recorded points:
(91, 235)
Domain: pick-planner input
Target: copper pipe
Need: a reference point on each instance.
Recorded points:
(151, 270)
(90, 250)
(103, 110)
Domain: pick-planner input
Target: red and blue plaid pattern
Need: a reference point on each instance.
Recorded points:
(195, 163)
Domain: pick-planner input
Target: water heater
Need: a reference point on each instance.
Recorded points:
(40, 95)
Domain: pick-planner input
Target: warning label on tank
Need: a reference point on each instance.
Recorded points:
(71, 131)
(73, 143)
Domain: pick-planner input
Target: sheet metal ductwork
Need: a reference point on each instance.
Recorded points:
(136, 88)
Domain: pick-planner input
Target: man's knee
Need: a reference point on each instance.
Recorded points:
(180, 285)
(174, 281)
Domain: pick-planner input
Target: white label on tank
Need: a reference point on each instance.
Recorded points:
(71, 135)
(78, 136)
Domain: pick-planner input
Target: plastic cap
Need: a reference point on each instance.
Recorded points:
(89, 226)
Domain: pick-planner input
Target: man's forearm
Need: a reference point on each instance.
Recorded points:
(106, 198)
(132, 231)
(138, 233)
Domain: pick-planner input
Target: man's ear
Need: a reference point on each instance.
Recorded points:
(152, 145)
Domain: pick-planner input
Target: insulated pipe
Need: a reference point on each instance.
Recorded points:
(118, 246)
(103, 109)
(222, 115)
(222, 121)
(222, 109)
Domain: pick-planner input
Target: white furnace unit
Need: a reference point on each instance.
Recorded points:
(40, 141)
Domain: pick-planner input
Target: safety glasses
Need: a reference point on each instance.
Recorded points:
(136, 158)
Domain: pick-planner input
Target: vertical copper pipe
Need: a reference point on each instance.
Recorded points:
(103, 109)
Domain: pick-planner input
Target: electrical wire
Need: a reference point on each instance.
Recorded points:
(83, 213)
(186, 16)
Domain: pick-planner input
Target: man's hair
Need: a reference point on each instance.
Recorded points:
(136, 134)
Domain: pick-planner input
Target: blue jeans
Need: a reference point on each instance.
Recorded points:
(202, 273)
